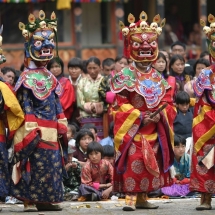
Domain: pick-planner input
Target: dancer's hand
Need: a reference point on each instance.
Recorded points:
(156, 118)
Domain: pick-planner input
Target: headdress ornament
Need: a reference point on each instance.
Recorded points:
(210, 34)
(141, 34)
(39, 34)
(40, 23)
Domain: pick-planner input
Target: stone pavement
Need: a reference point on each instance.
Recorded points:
(166, 207)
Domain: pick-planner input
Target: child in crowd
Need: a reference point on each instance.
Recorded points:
(71, 132)
(73, 181)
(93, 129)
(108, 140)
(109, 154)
(181, 170)
(183, 122)
(96, 175)
(108, 65)
(84, 137)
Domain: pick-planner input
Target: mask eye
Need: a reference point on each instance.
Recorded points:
(52, 41)
(213, 44)
(153, 43)
(136, 44)
(38, 43)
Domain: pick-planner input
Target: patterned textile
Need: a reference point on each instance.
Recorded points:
(104, 87)
(143, 153)
(97, 121)
(101, 173)
(38, 163)
(11, 117)
(182, 170)
(4, 173)
(176, 190)
(87, 92)
(73, 181)
(23, 1)
(202, 177)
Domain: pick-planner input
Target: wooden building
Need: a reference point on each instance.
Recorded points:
(90, 27)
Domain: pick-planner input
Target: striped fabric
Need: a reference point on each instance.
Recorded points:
(23, 1)
(37, 1)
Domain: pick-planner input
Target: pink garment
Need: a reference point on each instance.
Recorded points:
(96, 185)
(110, 97)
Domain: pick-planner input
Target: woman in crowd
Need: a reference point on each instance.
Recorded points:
(67, 98)
(75, 69)
(120, 63)
(176, 68)
(91, 108)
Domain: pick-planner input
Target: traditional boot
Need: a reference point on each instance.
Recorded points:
(130, 202)
(49, 207)
(142, 202)
(205, 202)
(29, 207)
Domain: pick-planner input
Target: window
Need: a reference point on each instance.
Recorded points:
(96, 29)
(11, 14)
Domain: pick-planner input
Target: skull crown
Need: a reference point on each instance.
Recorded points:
(208, 30)
(39, 23)
(142, 26)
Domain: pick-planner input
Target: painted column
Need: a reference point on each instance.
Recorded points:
(78, 28)
(203, 15)
(161, 11)
(119, 13)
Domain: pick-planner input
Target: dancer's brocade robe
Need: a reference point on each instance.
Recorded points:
(143, 152)
(11, 118)
(203, 171)
(41, 143)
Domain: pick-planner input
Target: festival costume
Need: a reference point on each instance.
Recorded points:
(203, 169)
(143, 152)
(40, 143)
(11, 118)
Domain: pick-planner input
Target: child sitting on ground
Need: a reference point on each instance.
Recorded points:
(181, 166)
(73, 181)
(96, 175)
